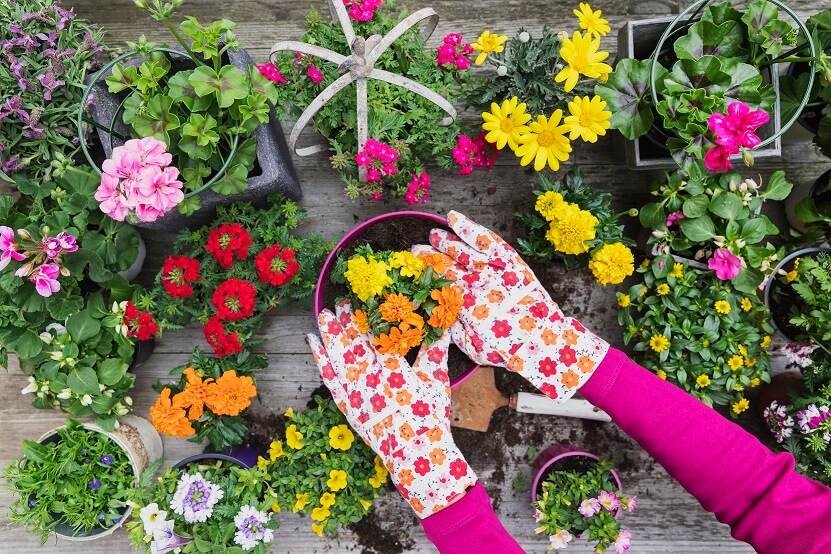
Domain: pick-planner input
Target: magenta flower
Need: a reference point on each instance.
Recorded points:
(633, 502)
(8, 248)
(623, 541)
(314, 74)
(45, 278)
(271, 73)
(53, 247)
(674, 218)
(737, 128)
(726, 264)
(608, 500)
(589, 507)
(717, 158)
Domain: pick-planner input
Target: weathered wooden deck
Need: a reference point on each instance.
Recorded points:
(667, 519)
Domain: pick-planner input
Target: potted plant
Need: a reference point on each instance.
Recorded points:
(697, 331)
(76, 480)
(799, 297)
(553, 77)
(209, 106)
(322, 469)
(577, 495)
(393, 234)
(717, 220)
(48, 52)
(84, 366)
(676, 73)
(566, 205)
(209, 399)
(206, 503)
(228, 274)
(405, 128)
(808, 208)
(56, 248)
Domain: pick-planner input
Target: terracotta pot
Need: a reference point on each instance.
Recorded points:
(349, 238)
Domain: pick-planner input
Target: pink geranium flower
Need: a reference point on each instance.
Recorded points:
(159, 190)
(111, 198)
(674, 218)
(8, 248)
(726, 264)
(717, 158)
(45, 278)
(737, 128)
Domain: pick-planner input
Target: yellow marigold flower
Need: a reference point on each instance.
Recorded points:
(570, 232)
(409, 264)
(397, 308)
(549, 205)
(367, 277)
(755, 382)
(747, 305)
(662, 289)
(581, 53)
(361, 321)
(740, 406)
(661, 374)
(765, 342)
(506, 124)
(591, 21)
(341, 437)
(367, 504)
(275, 450)
(677, 271)
(337, 480)
(612, 263)
(320, 514)
(275, 506)
(487, 43)
(545, 143)
(742, 350)
(735, 362)
(623, 300)
(302, 500)
(589, 118)
(722, 307)
(702, 381)
(293, 437)
(659, 343)
(327, 499)
(318, 529)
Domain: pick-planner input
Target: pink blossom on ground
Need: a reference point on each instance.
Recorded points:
(674, 218)
(45, 278)
(737, 127)
(717, 158)
(726, 264)
(608, 500)
(8, 248)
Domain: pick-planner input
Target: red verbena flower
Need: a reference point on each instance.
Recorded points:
(228, 241)
(223, 343)
(139, 324)
(234, 299)
(276, 265)
(178, 273)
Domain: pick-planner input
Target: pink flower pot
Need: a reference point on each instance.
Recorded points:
(551, 455)
(351, 236)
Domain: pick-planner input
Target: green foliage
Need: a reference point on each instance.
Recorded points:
(573, 189)
(76, 52)
(52, 481)
(702, 340)
(564, 491)
(297, 477)
(812, 313)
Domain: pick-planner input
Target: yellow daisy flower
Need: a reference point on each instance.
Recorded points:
(742, 350)
(750, 362)
(765, 342)
(550, 205)
(589, 118)
(644, 291)
(659, 343)
(583, 58)
(623, 300)
(505, 124)
(703, 381)
(592, 21)
(722, 307)
(612, 264)
(747, 305)
(755, 382)
(735, 362)
(487, 43)
(572, 230)
(661, 374)
(740, 406)
(662, 289)
(545, 142)
(677, 271)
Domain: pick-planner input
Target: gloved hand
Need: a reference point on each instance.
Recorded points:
(401, 412)
(508, 318)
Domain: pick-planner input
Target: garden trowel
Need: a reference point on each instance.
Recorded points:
(473, 402)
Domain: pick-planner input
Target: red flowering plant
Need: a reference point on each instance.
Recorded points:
(227, 275)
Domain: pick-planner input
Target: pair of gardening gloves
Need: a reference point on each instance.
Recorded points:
(403, 411)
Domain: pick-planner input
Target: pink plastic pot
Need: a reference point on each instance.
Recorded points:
(551, 455)
(331, 260)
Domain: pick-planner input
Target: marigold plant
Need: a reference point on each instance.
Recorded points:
(575, 224)
(209, 399)
(700, 334)
(321, 468)
(398, 295)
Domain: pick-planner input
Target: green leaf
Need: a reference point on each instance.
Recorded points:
(703, 73)
(23, 342)
(699, 229)
(111, 370)
(705, 38)
(696, 206)
(627, 95)
(759, 13)
(82, 326)
(753, 230)
(791, 92)
(201, 127)
(652, 216)
(726, 205)
(157, 119)
(122, 78)
(189, 205)
(62, 306)
(720, 13)
(229, 85)
(234, 181)
(83, 381)
(778, 188)
(745, 83)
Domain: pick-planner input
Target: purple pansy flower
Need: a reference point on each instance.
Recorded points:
(94, 484)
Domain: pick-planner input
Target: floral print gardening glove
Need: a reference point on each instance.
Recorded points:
(401, 412)
(508, 318)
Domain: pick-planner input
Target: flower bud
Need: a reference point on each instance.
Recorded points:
(44, 387)
(86, 400)
(558, 66)
(658, 234)
(45, 337)
(751, 184)
(524, 36)
(65, 394)
(502, 70)
(128, 400)
(719, 240)
(747, 157)
(24, 234)
(101, 387)
(633, 212)
(742, 186)
(732, 186)
(700, 254)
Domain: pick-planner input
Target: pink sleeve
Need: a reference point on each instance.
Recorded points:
(757, 493)
(469, 525)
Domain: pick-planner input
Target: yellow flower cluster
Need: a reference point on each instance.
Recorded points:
(570, 227)
(377, 481)
(367, 276)
(612, 263)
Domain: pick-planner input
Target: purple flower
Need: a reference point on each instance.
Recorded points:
(49, 83)
(195, 498)
(633, 502)
(165, 538)
(252, 528)
(31, 503)
(674, 218)
(101, 518)
(106, 460)
(95, 484)
(9, 166)
(45, 278)
(49, 39)
(64, 15)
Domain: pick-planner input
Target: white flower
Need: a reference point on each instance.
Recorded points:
(719, 240)
(31, 387)
(45, 337)
(658, 234)
(121, 409)
(623, 542)
(589, 507)
(195, 498)
(122, 329)
(165, 539)
(59, 329)
(502, 70)
(152, 517)
(251, 527)
(560, 539)
(524, 36)
(65, 394)
(86, 400)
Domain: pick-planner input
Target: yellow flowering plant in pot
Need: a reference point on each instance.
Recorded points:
(322, 469)
(574, 224)
(540, 96)
(697, 332)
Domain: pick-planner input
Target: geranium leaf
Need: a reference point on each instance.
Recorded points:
(157, 119)
(627, 95)
(705, 38)
(703, 73)
(234, 181)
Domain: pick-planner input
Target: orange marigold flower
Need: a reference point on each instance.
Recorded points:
(399, 340)
(360, 319)
(230, 394)
(169, 418)
(194, 395)
(397, 308)
(436, 260)
(447, 312)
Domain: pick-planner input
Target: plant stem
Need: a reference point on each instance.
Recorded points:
(786, 60)
(182, 42)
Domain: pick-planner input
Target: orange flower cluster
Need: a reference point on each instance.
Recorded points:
(229, 395)
(447, 312)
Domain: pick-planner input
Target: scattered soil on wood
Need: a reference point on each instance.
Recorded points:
(374, 539)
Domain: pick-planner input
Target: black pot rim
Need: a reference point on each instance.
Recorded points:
(181, 464)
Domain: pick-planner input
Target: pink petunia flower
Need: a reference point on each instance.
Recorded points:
(737, 128)
(560, 539)
(608, 500)
(271, 73)
(8, 248)
(717, 158)
(633, 502)
(589, 507)
(314, 74)
(45, 278)
(623, 541)
(726, 264)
